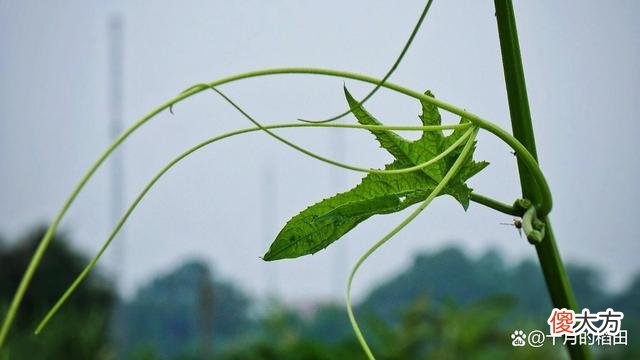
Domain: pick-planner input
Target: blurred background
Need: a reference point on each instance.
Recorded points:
(184, 279)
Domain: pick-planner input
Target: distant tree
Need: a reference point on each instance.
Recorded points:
(447, 275)
(628, 300)
(329, 324)
(282, 334)
(447, 305)
(81, 329)
(473, 331)
(450, 275)
(186, 312)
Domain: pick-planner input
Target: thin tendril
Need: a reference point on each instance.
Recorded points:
(543, 208)
(343, 165)
(475, 197)
(46, 239)
(166, 168)
(406, 47)
(436, 191)
(546, 204)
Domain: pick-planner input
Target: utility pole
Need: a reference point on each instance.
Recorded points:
(206, 308)
(116, 191)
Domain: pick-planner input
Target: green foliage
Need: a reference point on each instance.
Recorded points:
(446, 305)
(474, 331)
(321, 224)
(81, 331)
(451, 275)
(479, 330)
(280, 336)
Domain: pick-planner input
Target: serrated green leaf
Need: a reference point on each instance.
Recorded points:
(321, 224)
(325, 222)
(387, 139)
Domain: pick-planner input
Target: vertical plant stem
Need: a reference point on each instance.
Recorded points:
(553, 270)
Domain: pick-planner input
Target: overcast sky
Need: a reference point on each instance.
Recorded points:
(227, 202)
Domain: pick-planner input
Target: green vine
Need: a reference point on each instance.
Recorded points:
(423, 169)
(474, 119)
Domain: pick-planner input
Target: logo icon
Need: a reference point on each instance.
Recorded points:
(517, 338)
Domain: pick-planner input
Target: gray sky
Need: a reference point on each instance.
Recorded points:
(582, 62)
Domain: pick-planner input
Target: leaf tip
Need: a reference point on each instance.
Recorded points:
(268, 256)
(347, 94)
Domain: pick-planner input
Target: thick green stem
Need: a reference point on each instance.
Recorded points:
(554, 272)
